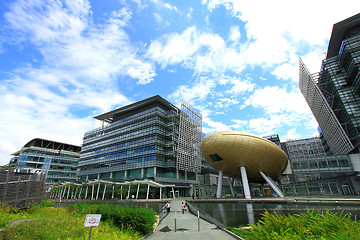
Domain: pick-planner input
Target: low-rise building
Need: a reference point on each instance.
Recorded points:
(58, 161)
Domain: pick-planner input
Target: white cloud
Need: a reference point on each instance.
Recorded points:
(277, 100)
(200, 51)
(197, 92)
(77, 73)
(173, 48)
(287, 71)
(313, 60)
(265, 126)
(213, 126)
(159, 19)
(239, 125)
(225, 103)
(238, 86)
(234, 34)
(190, 11)
(71, 42)
(168, 6)
(279, 27)
(292, 134)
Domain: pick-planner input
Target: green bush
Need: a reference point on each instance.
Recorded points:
(137, 219)
(47, 203)
(310, 225)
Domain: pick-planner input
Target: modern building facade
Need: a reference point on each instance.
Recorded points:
(149, 139)
(333, 94)
(58, 161)
(305, 148)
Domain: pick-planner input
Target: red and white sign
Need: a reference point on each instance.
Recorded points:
(92, 220)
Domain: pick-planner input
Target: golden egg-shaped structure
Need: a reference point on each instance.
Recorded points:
(229, 150)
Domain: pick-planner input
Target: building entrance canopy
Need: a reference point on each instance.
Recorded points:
(75, 190)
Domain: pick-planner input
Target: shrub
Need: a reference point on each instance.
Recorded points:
(310, 225)
(47, 203)
(137, 219)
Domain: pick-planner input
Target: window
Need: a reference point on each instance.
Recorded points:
(215, 157)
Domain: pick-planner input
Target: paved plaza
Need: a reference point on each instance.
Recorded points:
(186, 226)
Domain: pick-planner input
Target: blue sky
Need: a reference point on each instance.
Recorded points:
(64, 62)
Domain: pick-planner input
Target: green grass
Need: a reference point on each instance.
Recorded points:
(58, 223)
(310, 225)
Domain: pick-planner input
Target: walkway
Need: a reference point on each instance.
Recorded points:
(187, 226)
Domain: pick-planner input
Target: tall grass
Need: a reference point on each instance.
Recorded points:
(59, 223)
(310, 225)
(138, 219)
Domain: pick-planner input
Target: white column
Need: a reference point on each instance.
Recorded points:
(111, 175)
(121, 192)
(272, 184)
(80, 192)
(125, 174)
(92, 192)
(104, 192)
(128, 196)
(64, 192)
(97, 193)
(231, 187)
(137, 192)
(87, 186)
(147, 194)
(113, 186)
(142, 172)
(154, 171)
(173, 192)
(219, 186)
(160, 192)
(67, 196)
(245, 183)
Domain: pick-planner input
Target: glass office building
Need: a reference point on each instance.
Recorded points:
(333, 94)
(57, 160)
(150, 139)
(305, 148)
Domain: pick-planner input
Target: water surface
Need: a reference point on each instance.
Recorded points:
(242, 214)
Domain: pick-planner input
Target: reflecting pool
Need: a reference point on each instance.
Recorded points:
(242, 214)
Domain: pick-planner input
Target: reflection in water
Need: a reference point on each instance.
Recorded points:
(250, 213)
(242, 214)
(222, 213)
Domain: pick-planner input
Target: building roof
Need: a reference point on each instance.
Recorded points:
(109, 116)
(339, 33)
(43, 143)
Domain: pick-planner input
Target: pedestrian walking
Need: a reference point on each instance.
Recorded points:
(168, 207)
(183, 207)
